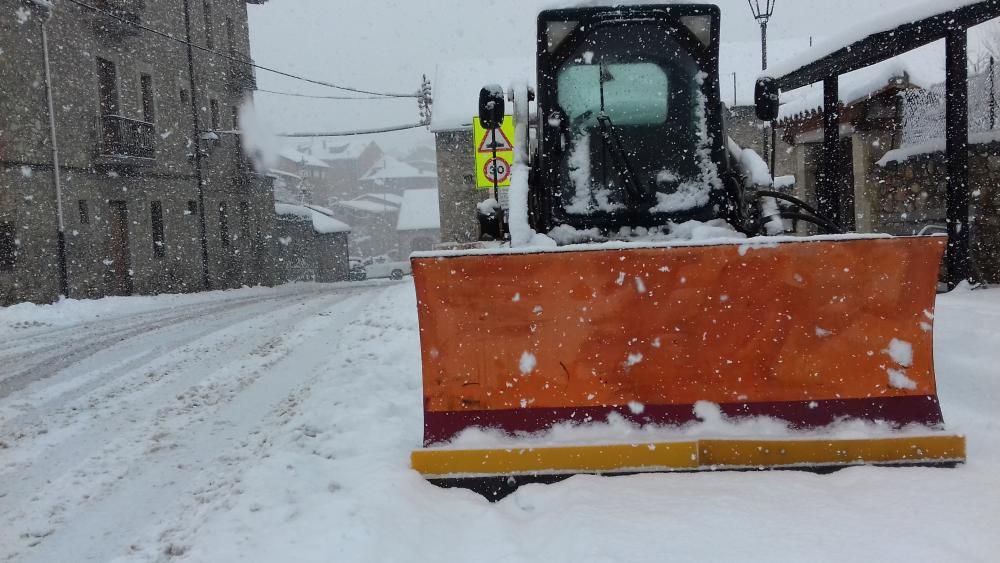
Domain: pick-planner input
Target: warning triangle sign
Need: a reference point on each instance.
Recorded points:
(502, 142)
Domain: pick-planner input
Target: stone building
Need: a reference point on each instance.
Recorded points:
(142, 210)
(312, 245)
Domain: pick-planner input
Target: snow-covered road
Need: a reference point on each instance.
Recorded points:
(117, 425)
(276, 424)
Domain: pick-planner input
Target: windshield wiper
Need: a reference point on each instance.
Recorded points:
(611, 138)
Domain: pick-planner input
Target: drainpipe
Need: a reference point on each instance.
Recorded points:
(196, 139)
(56, 172)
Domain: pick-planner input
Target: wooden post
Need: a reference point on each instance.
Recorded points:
(957, 156)
(829, 185)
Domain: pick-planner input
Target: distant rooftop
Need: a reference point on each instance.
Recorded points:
(420, 211)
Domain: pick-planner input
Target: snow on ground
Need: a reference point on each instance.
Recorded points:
(276, 425)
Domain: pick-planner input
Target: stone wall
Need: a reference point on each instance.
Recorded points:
(910, 195)
(457, 193)
(305, 255)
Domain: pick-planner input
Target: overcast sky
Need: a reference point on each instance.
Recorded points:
(389, 44)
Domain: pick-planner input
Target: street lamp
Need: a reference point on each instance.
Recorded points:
(762, 14)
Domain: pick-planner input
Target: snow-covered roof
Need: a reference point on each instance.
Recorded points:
(457, 84)
(321, 221)
(302, 158)
(390, 168)
(870, 24)
(923, 67)
(327, 150)
(275, 173)
(393, 199)
(368, 206)
(934, 146)
(419, 211)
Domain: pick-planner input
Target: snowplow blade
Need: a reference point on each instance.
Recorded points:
(807, 331)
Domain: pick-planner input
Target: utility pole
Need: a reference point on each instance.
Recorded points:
(196, 141)
(46, 9)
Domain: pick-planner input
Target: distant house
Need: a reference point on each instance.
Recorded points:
(312, 245)
(419, 223)
(373, 220)
(391, 175)
(347, 162)
(314, 172)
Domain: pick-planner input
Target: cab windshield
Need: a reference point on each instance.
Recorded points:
(633, 122)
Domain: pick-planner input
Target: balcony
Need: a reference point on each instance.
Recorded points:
(242, 75)
(127, 142)
(118, 17)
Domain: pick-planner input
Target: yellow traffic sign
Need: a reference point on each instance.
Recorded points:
(486, 167)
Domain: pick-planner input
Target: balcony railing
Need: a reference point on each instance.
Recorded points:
(126, 141)
(242, 75)
(119, 17)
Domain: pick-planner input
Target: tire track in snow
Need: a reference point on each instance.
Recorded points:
(47, 360)
(91, 466)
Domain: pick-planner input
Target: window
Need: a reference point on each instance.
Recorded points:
(632, 93)
(224, 224)
(107, 86)
(84, 212)
(8, 247)
(148, 112)
(192, 207)
(156, 219)
(244, 220)
(216, 118)
(209, 36)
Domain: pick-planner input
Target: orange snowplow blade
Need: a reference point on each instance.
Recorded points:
(807, 331)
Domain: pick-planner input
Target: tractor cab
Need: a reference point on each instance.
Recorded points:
(629, 117)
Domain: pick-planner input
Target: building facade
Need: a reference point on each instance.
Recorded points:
(149, 182)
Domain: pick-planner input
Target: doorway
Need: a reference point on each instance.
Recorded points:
(121, 267)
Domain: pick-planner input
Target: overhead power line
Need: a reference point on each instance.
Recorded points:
(357, 132)
(237, 59)
(295, 95)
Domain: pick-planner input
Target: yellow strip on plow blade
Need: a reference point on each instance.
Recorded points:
(474, 469)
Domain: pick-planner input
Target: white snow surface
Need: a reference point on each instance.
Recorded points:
(268, 425)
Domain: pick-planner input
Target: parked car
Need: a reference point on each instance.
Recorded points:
(388, 269)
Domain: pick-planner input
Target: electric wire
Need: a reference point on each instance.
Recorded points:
(237, 59)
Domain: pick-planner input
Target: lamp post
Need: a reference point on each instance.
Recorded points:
(762, 13)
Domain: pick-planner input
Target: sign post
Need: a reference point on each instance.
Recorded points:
(494, 154)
